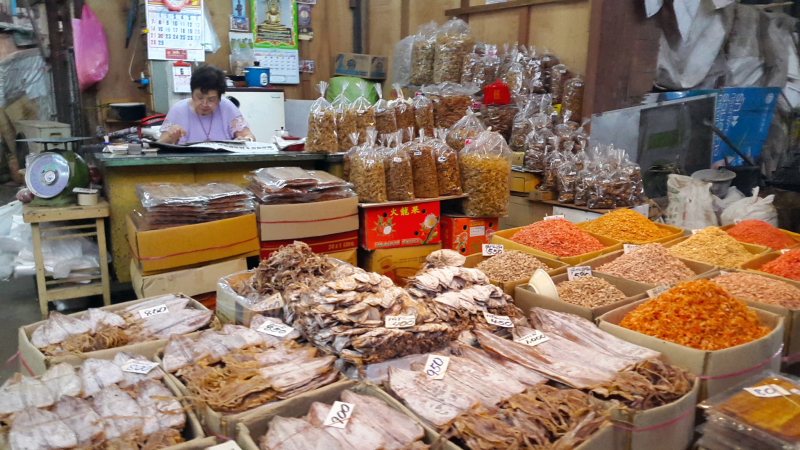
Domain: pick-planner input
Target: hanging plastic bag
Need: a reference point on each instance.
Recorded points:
(690, 203)
(422, 54)
(485, 174)
(321, 124)
(751, 208)
(469, 127)
(91, 49)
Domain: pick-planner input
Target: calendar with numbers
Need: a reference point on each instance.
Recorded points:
(175, 30)
(284, 64)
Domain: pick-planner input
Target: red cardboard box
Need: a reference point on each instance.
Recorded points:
(320, 244)
(400, 225)
(466, 234)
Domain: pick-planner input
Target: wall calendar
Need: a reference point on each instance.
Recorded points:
(175, 30)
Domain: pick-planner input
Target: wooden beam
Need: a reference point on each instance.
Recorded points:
(405, 17)
(465, 10)
(464, 16)
(524, 25)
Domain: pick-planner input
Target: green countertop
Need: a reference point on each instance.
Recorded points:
(161, 159)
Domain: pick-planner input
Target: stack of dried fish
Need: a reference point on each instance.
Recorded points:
(174, 204)
(238, 368)
(475, 377)
(101, 406)
(97, 329)
(374, 425)
(542, 417)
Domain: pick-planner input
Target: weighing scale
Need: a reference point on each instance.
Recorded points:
(53, 174)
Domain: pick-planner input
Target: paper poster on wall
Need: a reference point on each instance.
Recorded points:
(744, 115)
(284, 64)
(239, 20)
(176, 30)
(306, 31)
(182, 78)
(275, 23)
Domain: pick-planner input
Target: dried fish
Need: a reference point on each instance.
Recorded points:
(79, 416)
(95, 318)
(56, 329)
(20, 392)
(269, 339)
(132, 379)
(120, 414)
(35, 429)
(98, 374)
(62, 381)
(162, 326)
(160, 410)
(297, 434)
(173, 302)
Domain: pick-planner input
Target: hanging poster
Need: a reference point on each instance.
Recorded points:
(239, 20)
(176, 30)
(274, 24)
(306, 32)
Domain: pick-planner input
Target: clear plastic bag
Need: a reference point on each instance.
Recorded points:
(346, 122)
(500, 118)
(423, 163)
(365, 113)
(404, 113)
(581, 139)
(572, 103)
(522, 126)
(634, 172)
(566, 137)
(622, 188)
(367, 171)
(558, 77)
(321, 124)
(468, 127)
(485, 172)
(450, 102)
(399, 173)
(600, 190)
(515, 75)
(422, 54)
(487, 69)
(538, 144)
(453, 42)
(471, 61)
(567, 180)
(548, 61)
(385, 118)
(423, 114)
(534, 74)
(449, 174)
(553, 159)
(348, 156)
(584, 182)
(401, 63)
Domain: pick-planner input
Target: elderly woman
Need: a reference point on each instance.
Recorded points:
(206, 116)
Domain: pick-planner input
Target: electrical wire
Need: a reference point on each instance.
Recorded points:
(133, 56)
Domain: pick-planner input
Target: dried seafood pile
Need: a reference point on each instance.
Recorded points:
(542, 417)
(238, 368)
(293, 265)
(97, 329)
(100, 406)
(475, 377)
(374, 425)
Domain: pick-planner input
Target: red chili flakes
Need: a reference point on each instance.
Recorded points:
(758, 232)
(787, 265)
(558, 237)
(697, 314)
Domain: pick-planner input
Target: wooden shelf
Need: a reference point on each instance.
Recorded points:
(498, 7)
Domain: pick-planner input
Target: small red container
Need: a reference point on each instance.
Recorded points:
(497, 93)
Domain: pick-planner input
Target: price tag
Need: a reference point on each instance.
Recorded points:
(795, 391)
(154, 311)
(273, 302)
(443, 159)
(579, 271)
(737, 221)
(500, 321)
(274, 329)
(768, 391)
(436, 366)
(554, 217)
(397, 160)
(656, 291)
(533, 339)
(723, 272)
(627, 248)
(339, 415)
(417, 153)
(786, 250)
(137, 366)
(695, 231)
(230, 445)
(492, 249)
(85, 191)
(400, 321)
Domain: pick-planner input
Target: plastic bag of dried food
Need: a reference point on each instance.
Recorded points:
(566, 137)
(538, 144)
(401, 62)
(581, 138)
(367, 171)
(510, 53)
(522, 126)
(548, 61)
(471, 61)
(399, 173)
(553, 159)
(348, 156)
(567, 180)
(453, 42)
(500, 118)
(487, 68)
(534, 74)
(634, 173)
(601, 190)
(423, 164)
(515, 75)
(485, 172)
(321, 124)
(468, 127)
(585, 179)
(572, 101)
(346, 122)
(423, 114)
(450, 102)
(385, 118)
(558, 78)
(365, 113)
(403, 112)
(422, 54)
(449, 174)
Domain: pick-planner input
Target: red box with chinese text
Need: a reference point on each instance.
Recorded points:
(399, 225)
(319, 244)
(466, 235)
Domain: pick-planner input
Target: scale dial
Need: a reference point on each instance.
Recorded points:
(174, 5)
(47, 175)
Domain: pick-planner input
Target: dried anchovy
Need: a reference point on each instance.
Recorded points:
(364, 118)
(346, 124)
(321, 132)
(456, 138)
(385, 121)
(590, 292)
(423, 163)
(368, 175)
(449, 109)
(511, 265)
(485, 179)
(449, 175)
(399, 177)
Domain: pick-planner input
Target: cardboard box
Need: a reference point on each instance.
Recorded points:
(195, 281)
(518, 158)
(743, 360)
(525, 181)
(699, 268)
(509, 287)
(525, 298)
(170, 248)
(646, 430)
(251, 429)
(542, 195)
(504, 238)
(466, 235)
(305, 220)
(39, 362)
(321, 244)
(677, 232)
(755, 250)
(795, 236)
(360, 65)
(348, 256)
(396, 263)
(400, 224)
(238, 310)
(757, 263)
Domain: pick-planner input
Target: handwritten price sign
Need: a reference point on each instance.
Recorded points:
(534, 339)
(492, 249)
(400, 321)
(554, 217)
(627, 248)
(140, 367)
(500, 321)
(768, 391)
(339, 415)
(275, 329)
(273, 302)
(655, 292)
(154, 311)
(577, 272)
(436, 366)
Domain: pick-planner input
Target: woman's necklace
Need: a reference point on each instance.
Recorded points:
(210, 126)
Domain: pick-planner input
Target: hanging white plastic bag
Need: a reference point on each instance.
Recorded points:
(690, 203)
(210, 36)
(751, 208)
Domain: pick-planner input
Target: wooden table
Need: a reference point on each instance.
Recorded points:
(85, 221)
